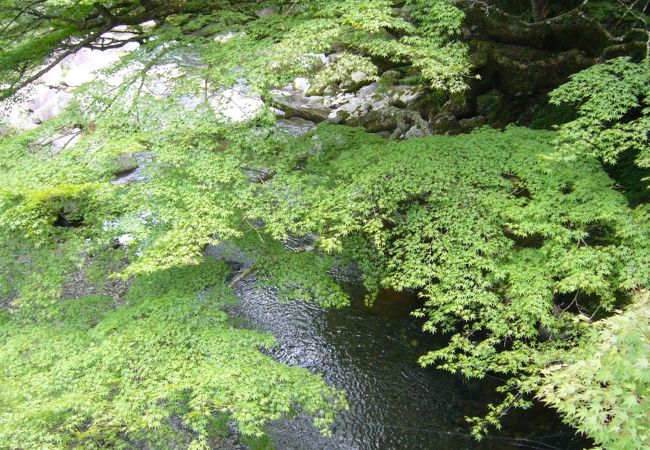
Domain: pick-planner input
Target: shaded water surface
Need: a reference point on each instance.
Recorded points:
(394, 403)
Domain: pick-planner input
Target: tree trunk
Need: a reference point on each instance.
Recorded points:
(539, 10)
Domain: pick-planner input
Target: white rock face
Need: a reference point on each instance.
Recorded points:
(358, 76)
(228, 35)
(47, 97)
(301, 85)
(124, 239)
(52, 79)
(189, 102)
(236, 104)
(67, 139)
(368, 99)
(265, 12)
(295, 126)
(60, 140)
(160, 79)
(54, 102)
(81, 67)
(326, 59)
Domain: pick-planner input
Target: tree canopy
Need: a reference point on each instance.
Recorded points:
(522, 243)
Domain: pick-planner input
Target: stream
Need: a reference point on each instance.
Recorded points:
(394, 403)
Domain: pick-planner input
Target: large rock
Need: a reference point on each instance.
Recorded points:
(131, 168)
(266, 12)
(236, 104)
(295, 104)
(49, 104)
(467, 125)
(518, 70)
(295, 126)
(494, 107)
(459, 105)
(50, 95)
(401, 123)
(445, 123)
(379, 109)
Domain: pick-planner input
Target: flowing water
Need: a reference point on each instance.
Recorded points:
(394, 403)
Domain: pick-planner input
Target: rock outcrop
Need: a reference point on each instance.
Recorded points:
(379, 108)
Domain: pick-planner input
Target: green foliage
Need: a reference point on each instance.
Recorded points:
(498, 245)
(35, 32)
(620, 12)
(278, 48)
(155, 369)
(513, 250)
(134, 372)
(494, 244)
(603, 389)
(265, 50)
(613, 101)
(301, 275)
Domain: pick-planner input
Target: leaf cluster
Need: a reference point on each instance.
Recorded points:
(613, 104)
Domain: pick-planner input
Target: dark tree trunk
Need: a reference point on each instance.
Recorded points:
(539, 10)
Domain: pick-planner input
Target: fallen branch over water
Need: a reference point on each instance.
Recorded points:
(240, 276)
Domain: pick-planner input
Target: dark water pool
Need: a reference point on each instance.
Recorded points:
(394, 403)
